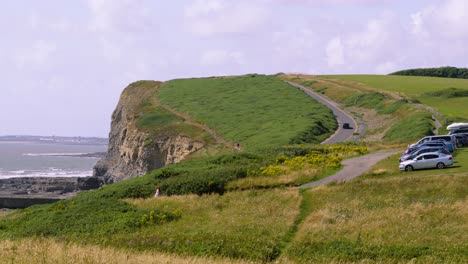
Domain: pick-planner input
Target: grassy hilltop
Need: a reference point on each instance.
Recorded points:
(447, 95)
(229, 206)
(256, 111)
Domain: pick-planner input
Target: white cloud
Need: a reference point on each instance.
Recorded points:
(335, 52)
(335, 2)
(220, 57)
(447, 19)
(211, 17)
(38, 56)
(364, 46)
(119, 15)
(386, 68)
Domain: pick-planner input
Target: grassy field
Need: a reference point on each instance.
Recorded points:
(256, 111)
(249, 225)
(387, 217)
(416, 88)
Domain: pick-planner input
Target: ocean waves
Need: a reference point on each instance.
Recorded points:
(48, 172)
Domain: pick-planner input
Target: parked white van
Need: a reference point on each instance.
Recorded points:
(457, 128)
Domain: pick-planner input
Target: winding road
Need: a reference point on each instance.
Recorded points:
(341, 116)
(354, 167)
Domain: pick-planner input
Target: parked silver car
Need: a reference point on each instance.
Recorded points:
(423, 150)
(427, 161)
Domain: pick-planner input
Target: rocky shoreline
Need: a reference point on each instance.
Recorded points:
(24, 192)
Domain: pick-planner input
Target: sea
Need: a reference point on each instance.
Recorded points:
(37, 159)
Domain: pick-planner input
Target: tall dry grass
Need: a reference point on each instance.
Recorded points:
(48, 251)
(389, 219)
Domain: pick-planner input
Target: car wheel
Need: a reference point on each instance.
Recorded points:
(440, 165)
(409, 168)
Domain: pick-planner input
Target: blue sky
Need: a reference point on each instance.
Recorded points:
(64, 63)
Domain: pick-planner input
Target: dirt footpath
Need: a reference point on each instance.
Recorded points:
(352, 168)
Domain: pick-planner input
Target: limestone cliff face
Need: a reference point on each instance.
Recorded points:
(134, 151)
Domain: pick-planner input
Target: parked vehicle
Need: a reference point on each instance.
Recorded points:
(458, 131)
(422, 151)
(450, 139)
(457, 128)
(441, 144)
(462, 139)
(427, 161)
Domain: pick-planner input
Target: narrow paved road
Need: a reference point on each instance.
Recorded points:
(352, 168)
(341, 116)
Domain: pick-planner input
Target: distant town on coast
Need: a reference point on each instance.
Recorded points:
(56, 139)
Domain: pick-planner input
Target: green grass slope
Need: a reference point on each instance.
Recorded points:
(256, 111)
(420, 88)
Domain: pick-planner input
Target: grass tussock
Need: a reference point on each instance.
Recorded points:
(48, 251)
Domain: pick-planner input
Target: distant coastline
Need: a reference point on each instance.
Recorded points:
(55, 140)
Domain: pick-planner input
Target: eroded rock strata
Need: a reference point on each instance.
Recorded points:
(134, 151)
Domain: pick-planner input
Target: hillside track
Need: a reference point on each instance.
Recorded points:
(352, 168)
(340, 115)
(188, 120)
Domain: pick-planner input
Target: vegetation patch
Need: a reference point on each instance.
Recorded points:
(411, 128)
(248, 225)
(448, 93)
(368, 100)
(82, 216)
(294, 170)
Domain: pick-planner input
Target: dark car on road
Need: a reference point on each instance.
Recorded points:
(346, 126)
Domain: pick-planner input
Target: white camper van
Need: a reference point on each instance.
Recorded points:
(457, 128)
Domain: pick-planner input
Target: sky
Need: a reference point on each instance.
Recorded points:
(63, 64)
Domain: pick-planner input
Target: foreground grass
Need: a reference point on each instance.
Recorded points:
(255, 110)
(390, 219)
(48, 251)
(249, 225)
(385, 216)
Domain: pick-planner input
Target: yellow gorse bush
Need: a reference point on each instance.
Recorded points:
(327, 157)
